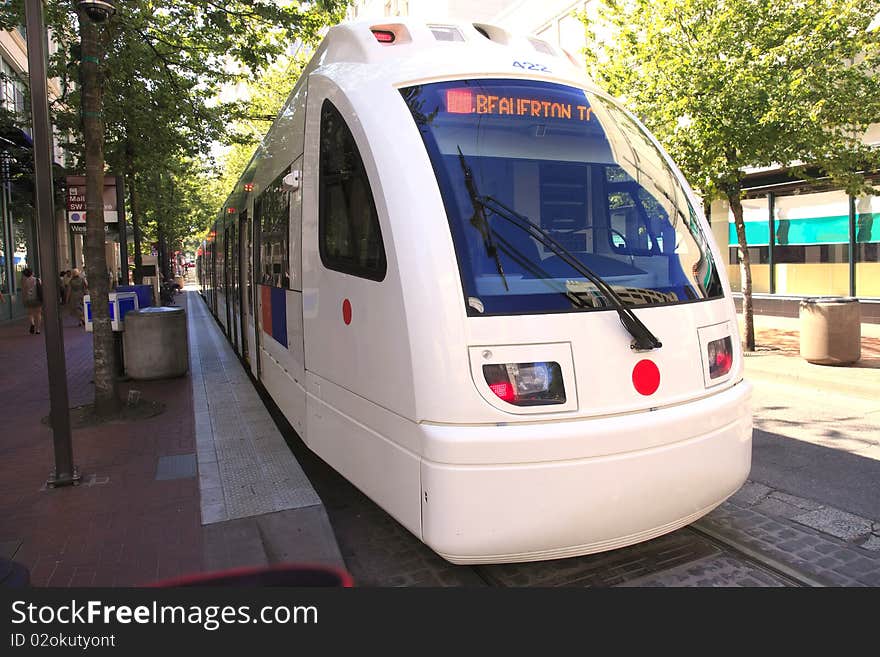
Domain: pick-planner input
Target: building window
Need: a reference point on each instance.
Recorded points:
(809, 247)
(349, 236)
(867, 240)
(811, 243)
(756, 217)
(272, 212)
(11, 89)
(758, 255)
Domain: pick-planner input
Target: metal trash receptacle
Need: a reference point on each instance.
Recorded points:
(155, 343)
(831, 330)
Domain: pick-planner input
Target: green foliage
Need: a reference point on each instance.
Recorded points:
(265, 97)
(164, 67)
(727, 84)
(179, 197)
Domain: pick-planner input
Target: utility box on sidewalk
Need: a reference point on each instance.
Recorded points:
(144, 294)
(831, 330)
(155, 343)
(121, 303)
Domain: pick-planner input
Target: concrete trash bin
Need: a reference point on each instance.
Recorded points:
(155, 343)
(831, 330)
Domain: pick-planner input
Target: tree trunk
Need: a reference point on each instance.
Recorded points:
(106, 391)
(162, 256)
(745, 268)
(135, 204)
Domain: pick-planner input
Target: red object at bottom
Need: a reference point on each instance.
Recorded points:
(280, 575)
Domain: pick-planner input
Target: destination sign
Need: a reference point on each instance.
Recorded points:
(467, 101)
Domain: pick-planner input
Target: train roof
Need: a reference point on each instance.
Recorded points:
(402, 50)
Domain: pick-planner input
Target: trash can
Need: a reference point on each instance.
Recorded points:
(155, 343)
(831, 330)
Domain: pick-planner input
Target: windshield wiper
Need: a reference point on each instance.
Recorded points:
(643, 339)
(478, 219)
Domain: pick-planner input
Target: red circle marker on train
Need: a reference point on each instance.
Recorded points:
(646, 377)
(346, 312)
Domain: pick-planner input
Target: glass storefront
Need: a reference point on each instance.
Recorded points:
(867, 252)
(755, 213)
(4, 275)
(17, 253)
(809, 253)
(811, 250)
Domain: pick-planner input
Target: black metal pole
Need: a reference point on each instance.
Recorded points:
(44, 203)
(123, 231)
(852, 246)
(771, 243)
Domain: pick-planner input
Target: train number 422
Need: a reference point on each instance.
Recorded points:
(529, 66)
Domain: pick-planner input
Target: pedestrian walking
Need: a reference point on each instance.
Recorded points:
(76, 290)
(32, 298)
(62, 287)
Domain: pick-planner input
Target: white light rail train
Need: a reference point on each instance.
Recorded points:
(481, 291)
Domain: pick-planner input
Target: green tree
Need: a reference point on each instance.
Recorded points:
(147, 82)
(728, 84)
(265, 97)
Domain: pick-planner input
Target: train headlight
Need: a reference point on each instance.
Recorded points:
(720, 356)
(526, 384)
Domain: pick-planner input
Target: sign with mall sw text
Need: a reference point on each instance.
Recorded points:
(76, 200)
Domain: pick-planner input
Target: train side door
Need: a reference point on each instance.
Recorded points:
(224, 274)
(256, 297)
(295, 313)
(345, 301)
(241, 282)
(250, 300)
(231, 286)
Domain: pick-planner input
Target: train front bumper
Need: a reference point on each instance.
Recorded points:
(546, 490)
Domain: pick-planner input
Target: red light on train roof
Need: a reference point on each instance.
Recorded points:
(384, 36)
(230, 210)
(459, 101)
(249, 187)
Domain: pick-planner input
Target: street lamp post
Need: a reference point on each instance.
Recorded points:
(65, 472)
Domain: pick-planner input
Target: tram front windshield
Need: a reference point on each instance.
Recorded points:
(583, 174)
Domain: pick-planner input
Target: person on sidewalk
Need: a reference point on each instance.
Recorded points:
(32, 298)
(63, 278)
(76, 290)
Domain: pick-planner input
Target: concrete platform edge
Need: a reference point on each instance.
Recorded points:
(288, 522)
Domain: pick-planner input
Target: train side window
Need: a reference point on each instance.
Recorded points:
(349, 236)
(272, 211)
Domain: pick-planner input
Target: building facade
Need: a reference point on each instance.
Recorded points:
(18, 229)
(18, 243)
(805, 238)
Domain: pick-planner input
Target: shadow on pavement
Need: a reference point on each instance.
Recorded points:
(830, 476)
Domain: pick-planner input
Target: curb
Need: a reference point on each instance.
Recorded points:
(836, 381)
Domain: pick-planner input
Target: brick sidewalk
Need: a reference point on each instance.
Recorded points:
(133, 529)
(787, 342)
